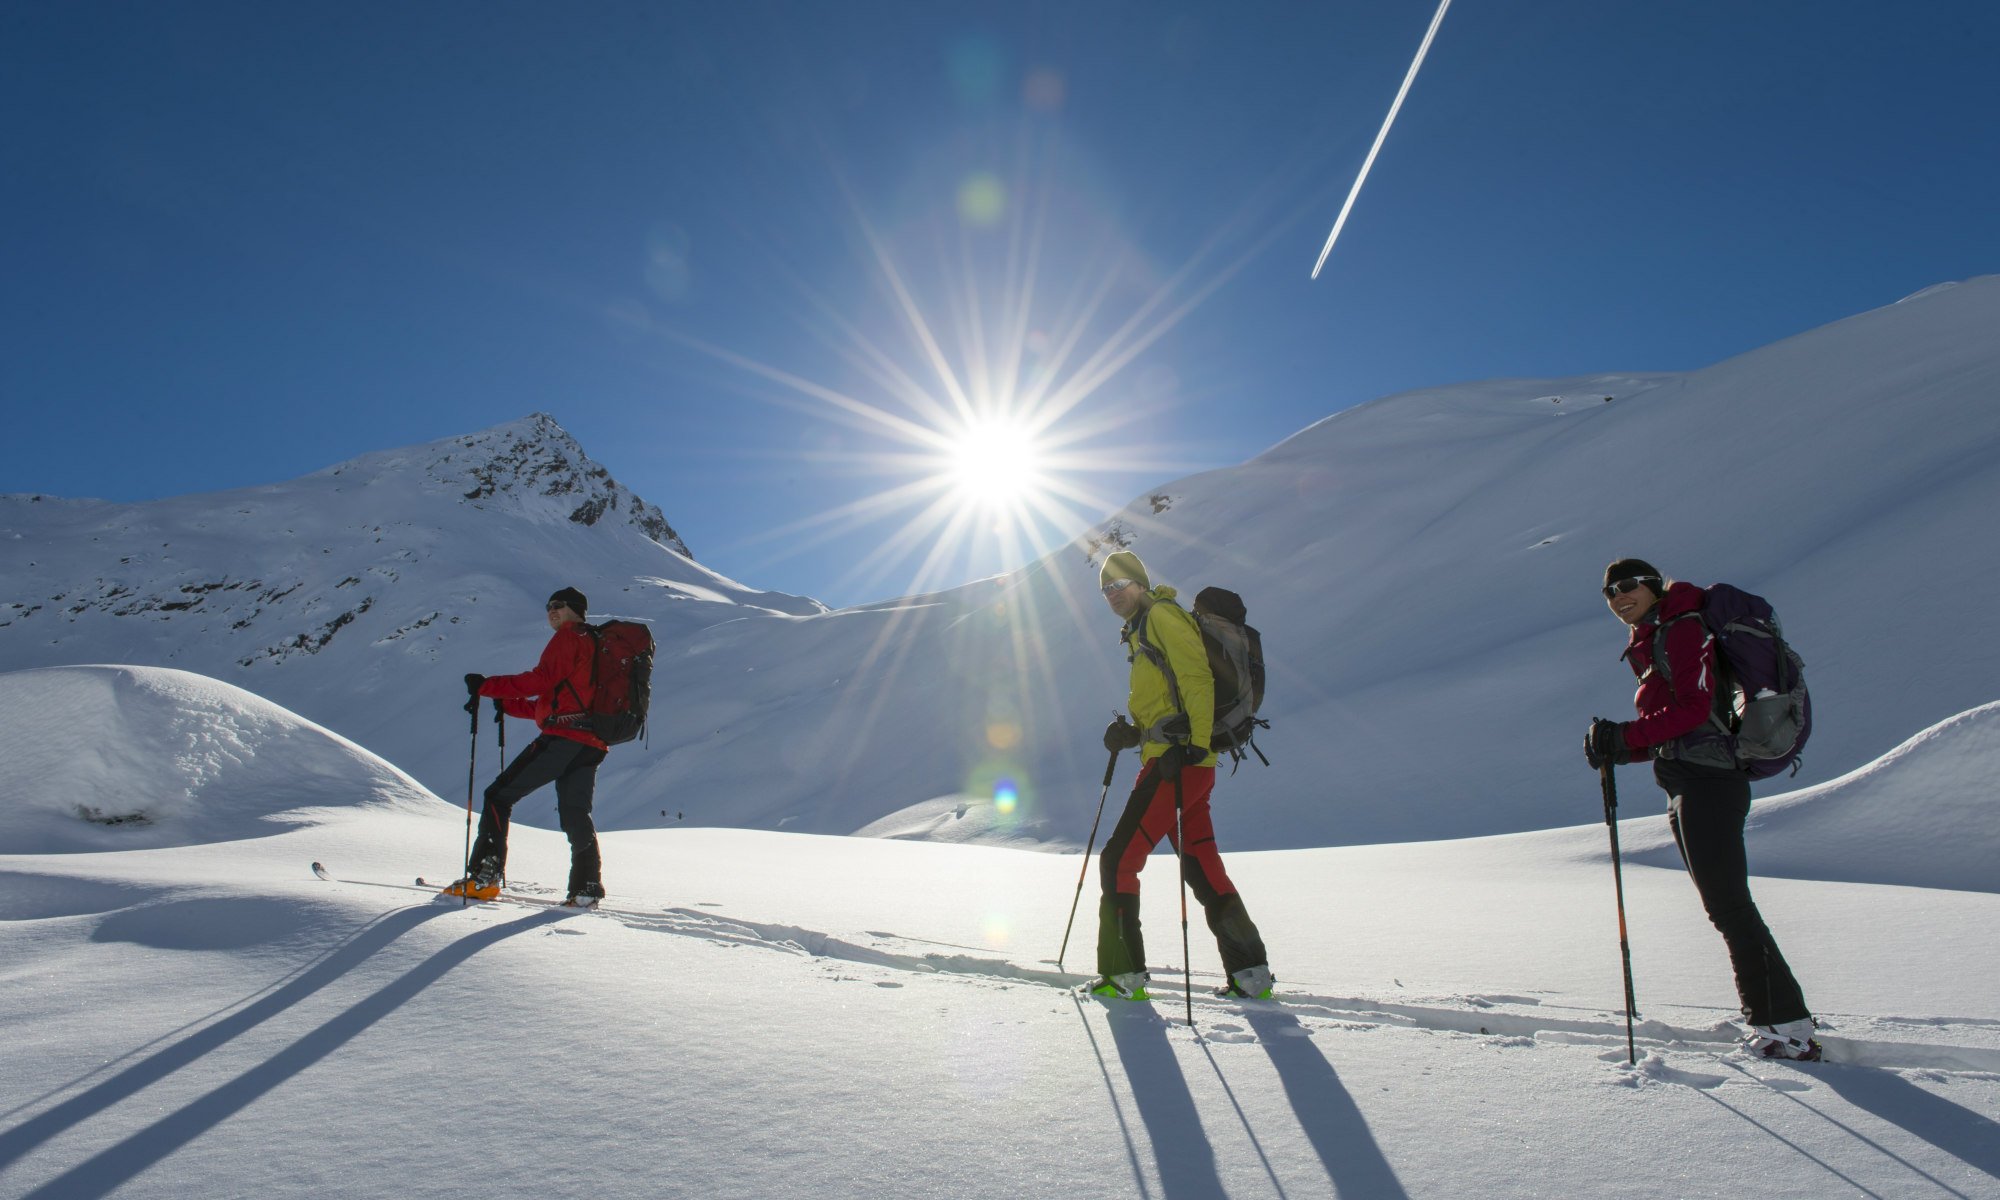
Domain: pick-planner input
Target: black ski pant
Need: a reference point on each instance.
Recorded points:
(572, 767)
(1148, 817)
(1706, 808)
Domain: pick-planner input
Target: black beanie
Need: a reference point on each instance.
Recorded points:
(574, 599)
(1635, 568)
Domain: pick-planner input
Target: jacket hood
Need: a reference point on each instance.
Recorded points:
(1682, 597)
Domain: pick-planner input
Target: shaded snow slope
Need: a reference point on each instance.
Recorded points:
(1927, 814)
(122, 758)
(1423, 568)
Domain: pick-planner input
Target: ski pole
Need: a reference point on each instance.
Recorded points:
(1618, 877)
(500, 728)
(1110, 768)
(471, 779)
(1180, 868)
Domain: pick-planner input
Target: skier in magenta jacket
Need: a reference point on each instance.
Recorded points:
(1706, 804)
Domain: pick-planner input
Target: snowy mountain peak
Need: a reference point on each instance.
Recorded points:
(533, 461)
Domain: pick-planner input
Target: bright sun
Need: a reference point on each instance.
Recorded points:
(996, 463)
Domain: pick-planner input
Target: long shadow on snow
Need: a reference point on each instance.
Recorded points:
(371, 938)
(1958, 1131)
(1166, 1106)
(112, 1064)
(1332, 1121)
(114, 1166)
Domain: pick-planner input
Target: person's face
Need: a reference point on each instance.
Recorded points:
(1124, 598)
(1630, 600)
(561, 615)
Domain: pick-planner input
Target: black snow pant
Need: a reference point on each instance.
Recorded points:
(1706, 808)
(572, 767)
(1148, 817)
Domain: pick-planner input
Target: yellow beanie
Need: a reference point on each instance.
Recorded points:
(1124, 565)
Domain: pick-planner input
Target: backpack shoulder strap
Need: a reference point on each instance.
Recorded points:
(1660, 662)
(1158, 657)
(596, 635)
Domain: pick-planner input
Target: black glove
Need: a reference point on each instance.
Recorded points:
(1179, 755)
(1604, 744)
(1121, 735)
(472, 685)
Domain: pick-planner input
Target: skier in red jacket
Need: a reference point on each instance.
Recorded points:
(566, 754)
(1706, 804)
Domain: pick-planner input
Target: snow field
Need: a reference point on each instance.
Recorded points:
(781, 1015)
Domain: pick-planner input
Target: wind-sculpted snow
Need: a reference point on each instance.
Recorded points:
(123, 758)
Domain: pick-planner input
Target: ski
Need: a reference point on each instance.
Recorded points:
(435, 890)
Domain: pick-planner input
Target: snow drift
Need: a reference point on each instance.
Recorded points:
(121, 758)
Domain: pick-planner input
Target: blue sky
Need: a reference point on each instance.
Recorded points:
(244, 241)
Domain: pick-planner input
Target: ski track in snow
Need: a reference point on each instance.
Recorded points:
(1522, 1018)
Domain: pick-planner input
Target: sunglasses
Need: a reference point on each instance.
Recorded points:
(1116, 586)
(1625, 585)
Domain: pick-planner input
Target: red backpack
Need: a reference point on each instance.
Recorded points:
(621, 681)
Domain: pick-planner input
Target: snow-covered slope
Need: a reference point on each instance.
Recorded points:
(1927, 814)
(1423, 568)
(124, 758)
(360, 594)
(777, 1015)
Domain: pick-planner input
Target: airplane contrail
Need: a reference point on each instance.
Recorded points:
(1381, 136)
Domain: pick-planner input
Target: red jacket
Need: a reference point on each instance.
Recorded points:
(1668, 712)
(558, 684)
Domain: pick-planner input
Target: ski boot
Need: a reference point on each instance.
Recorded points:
(477, 886)
(1251, 983)
(586, 896)
(1129, 986)
(1789, 1039)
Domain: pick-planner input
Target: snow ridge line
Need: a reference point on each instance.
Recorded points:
(1542, 1027)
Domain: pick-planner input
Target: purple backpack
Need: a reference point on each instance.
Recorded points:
(1763, 713)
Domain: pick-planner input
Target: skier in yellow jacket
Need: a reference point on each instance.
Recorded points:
(1172, 704)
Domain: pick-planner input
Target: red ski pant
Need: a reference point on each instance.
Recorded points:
(1148, 817)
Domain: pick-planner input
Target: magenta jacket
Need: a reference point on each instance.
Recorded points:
(1668, 711)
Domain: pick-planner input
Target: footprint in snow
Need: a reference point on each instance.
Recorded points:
(1652, 1068)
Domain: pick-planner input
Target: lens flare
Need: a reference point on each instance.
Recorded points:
(1005, 797)
(982, 200)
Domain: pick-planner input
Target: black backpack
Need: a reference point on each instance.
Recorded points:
(1762, 712)
(1236, 660)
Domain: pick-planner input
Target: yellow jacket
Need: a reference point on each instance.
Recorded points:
(1170, 630)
